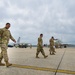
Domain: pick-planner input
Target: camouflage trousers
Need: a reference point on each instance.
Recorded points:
(3, 53)
(52, 49)
(40, 49)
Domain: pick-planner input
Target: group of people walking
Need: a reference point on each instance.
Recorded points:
(40, 47)
(5, 35)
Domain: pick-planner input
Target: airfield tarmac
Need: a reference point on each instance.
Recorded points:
(25, 63)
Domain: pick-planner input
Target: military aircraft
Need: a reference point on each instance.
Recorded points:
(10, 45)
(60, 44)
(21, 45)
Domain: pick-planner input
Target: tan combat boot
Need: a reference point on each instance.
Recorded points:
(53, 53)
(37, 56)
(1, 64)
(8, 64)
(45, 56)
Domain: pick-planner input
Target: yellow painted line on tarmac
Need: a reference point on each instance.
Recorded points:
(65, 71)
(43, 69)
(34, 67)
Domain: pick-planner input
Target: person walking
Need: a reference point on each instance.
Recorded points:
(40, 47)
(5, 35)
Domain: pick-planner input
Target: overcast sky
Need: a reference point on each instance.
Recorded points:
(29, 18)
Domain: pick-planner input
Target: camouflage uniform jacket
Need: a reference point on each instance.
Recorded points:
(5, 35)
(40, 42)
(51, 42)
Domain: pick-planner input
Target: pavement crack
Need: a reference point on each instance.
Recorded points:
(60, 62)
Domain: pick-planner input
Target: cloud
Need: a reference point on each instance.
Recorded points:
(29, 18)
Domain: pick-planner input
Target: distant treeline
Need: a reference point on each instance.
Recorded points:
(70, 45)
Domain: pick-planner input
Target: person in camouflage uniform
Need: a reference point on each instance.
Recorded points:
(52, 47)
(5, 35)
(40, 47)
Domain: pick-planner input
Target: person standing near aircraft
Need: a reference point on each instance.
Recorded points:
(52, 46)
